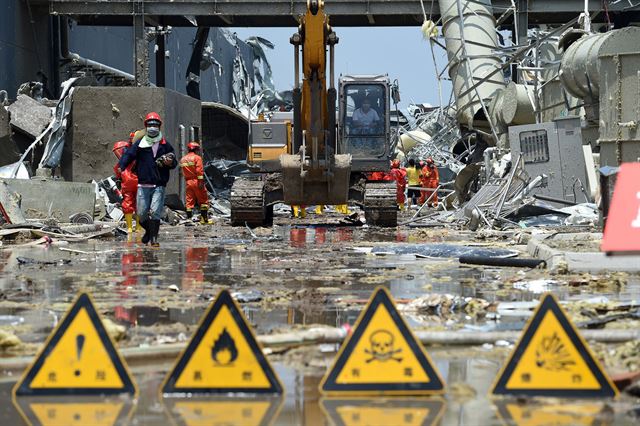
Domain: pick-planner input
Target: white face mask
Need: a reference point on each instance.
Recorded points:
(152, 132)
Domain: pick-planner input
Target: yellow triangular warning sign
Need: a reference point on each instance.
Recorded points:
(551, 359)
(246, 412)
(223, 356)
(78, 358)
(397, 412)
(80, 412)
(536, 414)
(382, 356)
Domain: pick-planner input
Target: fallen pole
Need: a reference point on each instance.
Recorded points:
(501, 261)
(141, 357)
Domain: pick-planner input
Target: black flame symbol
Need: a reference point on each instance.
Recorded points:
(224, 343)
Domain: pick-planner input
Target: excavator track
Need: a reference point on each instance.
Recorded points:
(247, 203)
(380, 208)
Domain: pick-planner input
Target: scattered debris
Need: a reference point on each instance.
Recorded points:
(8, 340)
(29, 116)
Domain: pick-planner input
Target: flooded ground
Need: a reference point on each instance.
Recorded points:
(293, 276)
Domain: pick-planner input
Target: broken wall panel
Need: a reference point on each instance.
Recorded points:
(29, 116)
(101, 116)
(42, 198)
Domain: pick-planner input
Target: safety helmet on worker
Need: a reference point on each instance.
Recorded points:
(153, 118)
(430, 161)
(193, 146)
(119, 148)
(395, 164)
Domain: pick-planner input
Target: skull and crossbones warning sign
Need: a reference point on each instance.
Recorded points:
(381, 348)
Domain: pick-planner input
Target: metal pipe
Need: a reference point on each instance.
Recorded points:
(554, 200)
(66, 54)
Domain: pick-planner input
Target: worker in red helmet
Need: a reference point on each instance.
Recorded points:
(430, 178)
(193, 173)
(155, 158)
(399, 174)
(128, 184)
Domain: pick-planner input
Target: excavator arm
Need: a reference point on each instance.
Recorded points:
(314, 125)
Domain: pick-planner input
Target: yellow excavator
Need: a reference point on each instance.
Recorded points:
(318, 156)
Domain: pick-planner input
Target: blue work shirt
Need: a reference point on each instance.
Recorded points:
(146, 169)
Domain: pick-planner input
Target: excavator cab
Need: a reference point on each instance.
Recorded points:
(363, 124)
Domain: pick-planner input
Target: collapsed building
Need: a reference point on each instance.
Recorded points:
(558, 100)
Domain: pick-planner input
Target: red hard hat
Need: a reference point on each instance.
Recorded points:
(152, 116)
(429, 160)
(395, 164)
(119, 147)
(131, 136)
(192, 146)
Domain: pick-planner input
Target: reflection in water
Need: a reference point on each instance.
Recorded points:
(223, 411)
(537, 414)
(381, 411)
(298, 237)
(195, 259)
(82, 411)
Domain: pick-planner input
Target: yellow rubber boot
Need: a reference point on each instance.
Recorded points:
(296, 211)
(128, 217)
(320, 209)
(401, 206)
(139, 228)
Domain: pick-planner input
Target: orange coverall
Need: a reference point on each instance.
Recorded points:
(429, 178)
(193, 172)
(400, 176)
(128, 187)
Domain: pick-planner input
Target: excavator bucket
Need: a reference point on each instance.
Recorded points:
(316, 186)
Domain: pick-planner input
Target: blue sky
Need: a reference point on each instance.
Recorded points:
(400, 52)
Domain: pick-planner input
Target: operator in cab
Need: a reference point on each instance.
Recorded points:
(365, 118)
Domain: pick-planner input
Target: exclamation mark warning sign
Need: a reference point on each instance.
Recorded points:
(79, 358)
(79, 346)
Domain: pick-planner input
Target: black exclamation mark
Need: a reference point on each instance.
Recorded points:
(79, 346)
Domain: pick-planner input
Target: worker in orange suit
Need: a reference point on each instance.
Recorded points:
(128, 183)
(399, 174)
(193, 172)
(429, 178)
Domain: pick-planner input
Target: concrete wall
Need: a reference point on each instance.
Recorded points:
(100, 116)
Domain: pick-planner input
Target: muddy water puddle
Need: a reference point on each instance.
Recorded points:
(286, 276)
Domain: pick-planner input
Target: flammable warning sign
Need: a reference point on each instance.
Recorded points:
(551, 359)
(382, 356)
(78, 358)
(223, 356)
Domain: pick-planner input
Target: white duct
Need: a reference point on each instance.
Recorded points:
(477, 29)
(580, 68)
